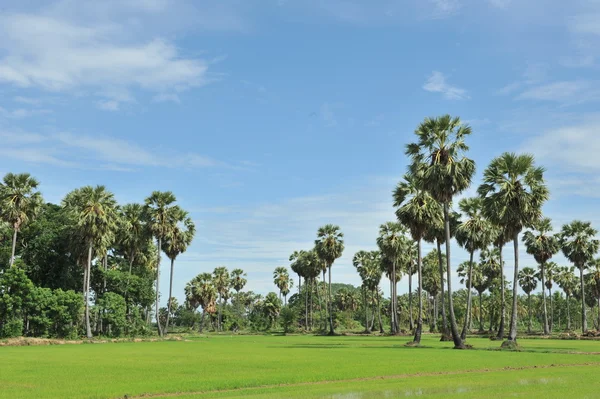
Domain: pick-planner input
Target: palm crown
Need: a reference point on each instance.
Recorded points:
(540, 243)
(578, 242)
(329, 243)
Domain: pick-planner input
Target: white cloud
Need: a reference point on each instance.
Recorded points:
(585, 24)
(20, 113)
(165, 97)
(436, 83)
(445, 8)
(59, 55)
(108, 105)
(569, 92)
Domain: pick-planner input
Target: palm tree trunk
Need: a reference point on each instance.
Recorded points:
(88, 328)
(543, 277)
(512, 336)
(500, 334)
(381, 331)
(14, 247)
(419, 329)
(366, 310)
(158, 326)
(445, 332)
(305, 307)
(392, 323)
(458, 343)
(219, 315)
(583, 315)
(170, 294)
(551, 321)
(410, 308)
(202, 321)
(568, 313)
(285, 300)
(396, 320)
(393, 299)
(529, 309)
(434, 314)
(480, 313)
(463, 334)
(331, 332)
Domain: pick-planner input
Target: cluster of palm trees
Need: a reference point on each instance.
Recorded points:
(101, 225)
(509, 200)
(211, 291)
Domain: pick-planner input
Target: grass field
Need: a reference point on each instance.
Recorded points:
(300, 367)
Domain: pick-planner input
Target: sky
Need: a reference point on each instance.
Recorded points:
(270, 118)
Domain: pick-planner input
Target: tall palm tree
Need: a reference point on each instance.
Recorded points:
(513, 193)
(492, 267)
(392, 244)
(417, 210)
(567, 281)
(551, 271)
(94, 210)
(311, 266)
(440, 153)
(297, 268)
(177, 241)
(499, 239)
(432, 281)
(161, 216)
(579, 245)
(528, 282)
(361, 262)
(282, 280)
(221, 280)
(543, 246)
(133, 235)
(20, 203)
(473, 234)
(329, 246)
(594, 281)
(481, 281)
(201, 291)
(238, 280)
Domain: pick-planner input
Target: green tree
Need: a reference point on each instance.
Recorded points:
(176, 242)
(513, 193)
(271, 307)
(432, 280)
(161, 215)
(201, 291)
(528, 282)
(94, 210)
(329, 246)
(238, 280)
(439, 155)
(567, 281)
(392, 245)
(221, 280)
(20, 202)
(579, 245)
(282, 280)
(417, 210)
(473, 234)
(542, 245)
(551, 271)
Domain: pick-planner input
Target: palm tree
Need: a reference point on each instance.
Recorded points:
(542, 245)
(20, 202)
(177, 241)
(282, 280)
(492, 266)
(201, 291)
(551, 271)
(432, 281)
(513, 193)
(297, 268)
(474, 233)
(481, 281)
(579, 245)
(161, 216)
(392, 244)
(527, 281)
(500, 238)
(133, 234)
(360, 262)
(439, 153)
(594, 281)
(94, 210)
(567, 281)
(329, 246)
(221, 280)
(417, 210)
(238, 280)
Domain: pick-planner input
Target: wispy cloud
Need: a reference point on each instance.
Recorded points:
(436, 83)
(565, 92)
(445, 8)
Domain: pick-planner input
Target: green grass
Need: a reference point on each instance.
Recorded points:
(301, 367)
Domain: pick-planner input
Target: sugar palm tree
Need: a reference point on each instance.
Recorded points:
(499, 239)
(481, 281)
(473, 234)
(94, 210)
(513, 193)
(392, 244)
(133, 235)
(360, 261)
(297, 268)
(579, 245)
(417, 210)
(329, 246)
(492, 267)
(238, 280)
(439, 153)
(282, 280)
(528, 282)
(161, 218)
(221, 280)
(567, 281)
(432, 281)
(177, 241)
(200, 291)
(20, 203)
(542, 245)
(551, 271)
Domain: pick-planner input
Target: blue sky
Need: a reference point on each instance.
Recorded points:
(270, 118)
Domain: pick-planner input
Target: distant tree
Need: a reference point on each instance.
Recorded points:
(567, 281)
(221, 281)
(238, 279)
(329, 246)
(528, 282)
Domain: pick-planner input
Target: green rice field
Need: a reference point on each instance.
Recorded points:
(353, 367)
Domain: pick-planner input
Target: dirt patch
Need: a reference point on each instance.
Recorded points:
(388, 377)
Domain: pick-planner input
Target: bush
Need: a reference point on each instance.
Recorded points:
(288, 319)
